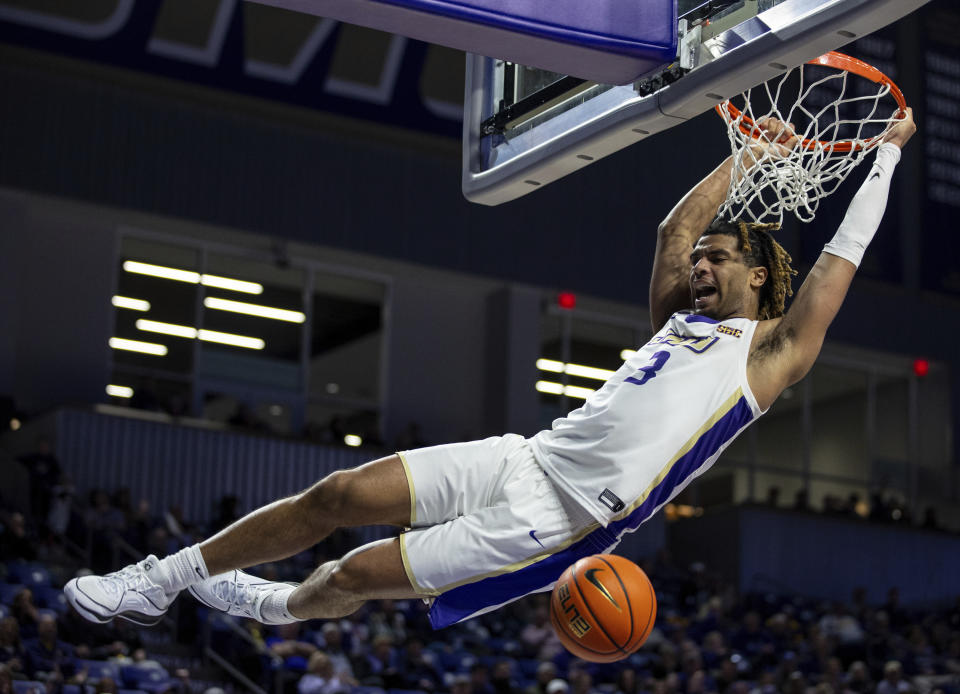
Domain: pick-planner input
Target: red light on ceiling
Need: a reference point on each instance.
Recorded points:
(921, 367)
(566, 299)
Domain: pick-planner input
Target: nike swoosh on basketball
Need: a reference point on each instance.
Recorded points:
(591, 575)
(532, 534)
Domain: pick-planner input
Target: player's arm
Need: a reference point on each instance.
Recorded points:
(793, 343)
(678, 233)
(676, 237)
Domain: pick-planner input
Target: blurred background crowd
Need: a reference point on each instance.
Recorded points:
(707, 637)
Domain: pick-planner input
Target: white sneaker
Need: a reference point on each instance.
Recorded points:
(130, 593)
(239, 594)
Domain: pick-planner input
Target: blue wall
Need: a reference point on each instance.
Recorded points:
(782, 551)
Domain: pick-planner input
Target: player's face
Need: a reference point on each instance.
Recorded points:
(719, 279)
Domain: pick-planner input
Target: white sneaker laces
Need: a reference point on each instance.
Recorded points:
(132, 577)
(235, 593)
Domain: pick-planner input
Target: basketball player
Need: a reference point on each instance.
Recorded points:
(494, 520)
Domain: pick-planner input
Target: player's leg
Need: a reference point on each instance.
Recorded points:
(338, 588)
(458, 505)
(373, 494)
(335, 589)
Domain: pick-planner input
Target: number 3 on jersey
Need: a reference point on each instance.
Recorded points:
(650, 369)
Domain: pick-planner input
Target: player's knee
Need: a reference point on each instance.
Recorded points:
(346, 580)
(328, 500)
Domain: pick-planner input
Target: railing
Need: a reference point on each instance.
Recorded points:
(210, 654)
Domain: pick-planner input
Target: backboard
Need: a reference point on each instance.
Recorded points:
(524, 128)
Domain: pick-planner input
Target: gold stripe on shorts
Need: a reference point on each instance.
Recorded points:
(406, 567)
(523, 563)
(413, 491)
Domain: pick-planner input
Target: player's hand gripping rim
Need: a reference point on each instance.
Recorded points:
(902, 130)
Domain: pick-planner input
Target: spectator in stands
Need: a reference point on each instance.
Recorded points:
(480, 679)
(893, 681)
(44, 470)
(502, 679)
(25, 612)
(333, 647)
(896, 615)
(385, 618)
(181, 682)
(795, 683)
(581, 681)
(697, 683)
(726, 674)
(289, 642)
(714, 650)
(320, 678)
(840, 624)
(106, 685)
(11, 648)
(61, 507)
(176, 526)
(461, 684)
(627, 682)
(558, 686)
(103, 522)
(417, 669)
(752, 639)
(858, 680)
(48, 658)
(538, 638)
(15, 543)
(6, 680)
(380, 666)
(546, 673)
(139, 524)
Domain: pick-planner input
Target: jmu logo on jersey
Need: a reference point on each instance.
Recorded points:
(694, 344)
(725, 330)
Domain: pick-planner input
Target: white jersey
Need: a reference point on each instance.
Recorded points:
(661, 420)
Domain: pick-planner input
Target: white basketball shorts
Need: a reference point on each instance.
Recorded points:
(488, 527)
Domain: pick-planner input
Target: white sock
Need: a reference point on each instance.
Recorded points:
(274, 606)
(182, 569)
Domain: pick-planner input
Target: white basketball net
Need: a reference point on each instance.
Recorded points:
(828, 113)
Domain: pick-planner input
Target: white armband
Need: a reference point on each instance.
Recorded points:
(866, 209)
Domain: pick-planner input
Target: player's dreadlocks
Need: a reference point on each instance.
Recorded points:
(756, 244)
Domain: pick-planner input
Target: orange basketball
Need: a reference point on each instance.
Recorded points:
(603, 608)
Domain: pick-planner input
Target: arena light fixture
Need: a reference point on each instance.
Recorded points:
(167, 273)
(154, 326)
(254, 309)
(574, 369)
(552, 388)
(588, 372)
(132, 304)
(231, 339)
(231, 284)
(627, 353)
(191, 277)
(550, 365)
(138, 346)
(119, 391)
(191, 333)
(352, 440)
